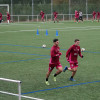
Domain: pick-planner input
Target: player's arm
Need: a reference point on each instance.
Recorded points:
(54, 54)
(80, 53)
(68, 53)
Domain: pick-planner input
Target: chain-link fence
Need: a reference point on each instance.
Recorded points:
(29, 10)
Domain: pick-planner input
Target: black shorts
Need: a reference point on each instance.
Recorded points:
(80, 18)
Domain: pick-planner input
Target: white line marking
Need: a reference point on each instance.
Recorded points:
(60, 29)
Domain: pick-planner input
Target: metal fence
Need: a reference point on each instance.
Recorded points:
(37, 18)
(29, 10)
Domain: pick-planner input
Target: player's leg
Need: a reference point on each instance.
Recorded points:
(8, 21)
(73, 68)
(59, 70)
(97, 19)
(54, 19)
(51, 67)
(57, 20)
(47, 76)
(77, 20)
(73, 74)
(82, 18)
(43, 18)
(93, 18)
(66, 68)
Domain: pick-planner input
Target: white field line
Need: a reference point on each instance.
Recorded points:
(78, 27)
(60, 29)
(18, 31)
(11, 24)
(32, 98)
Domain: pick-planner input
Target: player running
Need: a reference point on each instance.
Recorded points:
(80, 16)
(54, 61)
(8, 18)
(42, 16)
(55, 14)
(98, 16)
(76, 16)
(0, 17)
(94, 15)
(71, 56)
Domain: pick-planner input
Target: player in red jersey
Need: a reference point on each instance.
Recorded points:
(71, 56)
(54, 61)
(76, 16)
(55, 14)
(98, 16)
(0, 17)
(94, 15)
(8, 18)
(42, 16)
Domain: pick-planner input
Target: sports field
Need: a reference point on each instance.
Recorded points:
(23, 58)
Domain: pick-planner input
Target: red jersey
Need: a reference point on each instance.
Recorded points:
(42, 13)
(55, 14)
(76, 14)
(8, 16)
(94, 13)
(72, 54)
(55, 55)
(0, 16)
(98, 14)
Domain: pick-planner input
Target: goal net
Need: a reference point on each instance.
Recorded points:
(3, 9)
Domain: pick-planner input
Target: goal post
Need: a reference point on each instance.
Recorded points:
(15, 81)
(5, 5)
(19, 95)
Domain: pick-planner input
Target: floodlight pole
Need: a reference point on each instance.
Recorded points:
(69, 9)
(32, 9)
(51, 8)
(11, 11)
(86, 9)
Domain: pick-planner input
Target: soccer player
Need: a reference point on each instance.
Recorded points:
(0, 17)
(76, 16)
(54, 61)
(8, 18)
(55, 14)
(71, 56)
(42, 16)
(80, 16)
(98, 16)
(94, 15)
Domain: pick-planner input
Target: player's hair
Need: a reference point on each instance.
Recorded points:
(76, 40)
(54, 40)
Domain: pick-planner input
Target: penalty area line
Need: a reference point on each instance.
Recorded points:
(61, 87)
